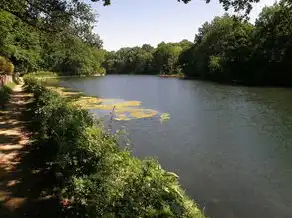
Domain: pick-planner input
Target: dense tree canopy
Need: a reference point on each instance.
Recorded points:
(146, 59)
(50, 35)
(130, 60)
(272, 44)
(231, 50)
(220, 50)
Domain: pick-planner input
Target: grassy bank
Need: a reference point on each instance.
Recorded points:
(5, 92)
(96, 178)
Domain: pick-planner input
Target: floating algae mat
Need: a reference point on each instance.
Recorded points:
(118, 108)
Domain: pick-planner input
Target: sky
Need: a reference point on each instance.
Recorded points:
(128, 23)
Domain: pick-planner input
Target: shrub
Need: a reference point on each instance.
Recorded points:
(97, 178)
(6, 67)
(2, 65)
(5, 92)
(9, 68)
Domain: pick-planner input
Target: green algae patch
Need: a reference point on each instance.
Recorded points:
(119, 109)
(164, 117)
(143, 113)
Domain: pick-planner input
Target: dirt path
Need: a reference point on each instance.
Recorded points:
(23, 176)
(12, 135)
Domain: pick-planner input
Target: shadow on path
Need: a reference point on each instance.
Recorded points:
(26, 181)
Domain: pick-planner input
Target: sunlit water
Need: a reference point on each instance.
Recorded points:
(231, 146)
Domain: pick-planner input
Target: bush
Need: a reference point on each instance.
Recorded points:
(5, 92)
(6, 67)
(97, 178)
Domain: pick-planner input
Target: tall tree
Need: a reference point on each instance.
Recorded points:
(165, 58)
(273, 45)
(220, 51)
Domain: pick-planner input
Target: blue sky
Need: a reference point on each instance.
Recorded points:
(128, 23)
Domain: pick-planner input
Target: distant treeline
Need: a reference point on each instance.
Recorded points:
(227, 49)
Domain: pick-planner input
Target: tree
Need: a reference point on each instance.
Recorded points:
(185, 44)
(50, 35)
(136, 60)
(73, 16)
(19, 42)
(272, 45)
(69, 55)
(165, 58)
(148, 48)
(237, 5)
(220, 51)
(6, 67)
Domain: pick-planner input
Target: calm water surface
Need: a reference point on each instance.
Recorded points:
(231, 146)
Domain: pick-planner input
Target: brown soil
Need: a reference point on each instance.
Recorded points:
(25, 182)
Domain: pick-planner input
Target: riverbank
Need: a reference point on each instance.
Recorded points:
(68, 77)
(51, 75)
(96, 177)
(181, 76)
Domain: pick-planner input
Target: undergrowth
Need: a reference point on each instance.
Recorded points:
(5, 92)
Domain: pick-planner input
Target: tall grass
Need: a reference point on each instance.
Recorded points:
(96, 177)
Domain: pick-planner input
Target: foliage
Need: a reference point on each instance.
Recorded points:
(237, 5)
(74, 50)
(165, 58)
(272, 46)
(231, 50)
(146, 59)
(71, 56)
(134, 60)
(19, 42)
(5, 92)
(74, 16)
(6, 67)
(220, 51)
(99, 179)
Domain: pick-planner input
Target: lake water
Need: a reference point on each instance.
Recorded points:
(231, 146)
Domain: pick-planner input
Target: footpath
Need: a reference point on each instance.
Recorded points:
(25, 189)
